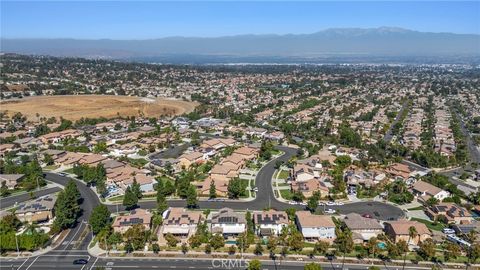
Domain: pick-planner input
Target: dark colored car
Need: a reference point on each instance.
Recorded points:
(80, 261)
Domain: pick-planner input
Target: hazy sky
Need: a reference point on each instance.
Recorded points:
(154, 19)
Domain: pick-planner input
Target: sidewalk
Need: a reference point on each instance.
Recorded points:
(96, 251)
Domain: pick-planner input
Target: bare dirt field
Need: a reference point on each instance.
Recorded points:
(94, 106)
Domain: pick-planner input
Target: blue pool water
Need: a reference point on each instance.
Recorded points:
(382, 245)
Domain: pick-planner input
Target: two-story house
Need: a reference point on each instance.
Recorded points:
(270, 222)
(315, 227)
(227, 222)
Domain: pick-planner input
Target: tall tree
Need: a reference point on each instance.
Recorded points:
(344, 241)
(161, 199)
(372, 246)
(136, 189)
(130, 199)
(192, 200)
(67, 207)
(100, 218)
(212, 192)
(412, 233)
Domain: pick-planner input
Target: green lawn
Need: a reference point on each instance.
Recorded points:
(286, 194)
(139, 162)
(116, 198)
(50, 167)
(283, 174)
(435, 227)
(69, 171)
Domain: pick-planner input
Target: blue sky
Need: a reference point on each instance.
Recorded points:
(154, 19)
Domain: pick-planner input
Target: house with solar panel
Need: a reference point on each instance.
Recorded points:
(138, 216)
(270, 222)
(38, 210)
(227, 222)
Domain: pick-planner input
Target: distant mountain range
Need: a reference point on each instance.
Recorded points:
(335, 43)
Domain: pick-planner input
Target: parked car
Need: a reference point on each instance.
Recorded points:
(330, 211)
(448, 231)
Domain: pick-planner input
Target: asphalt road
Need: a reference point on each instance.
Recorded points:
(388, 135)
(12, 200)
(472, 149)
(65, 261)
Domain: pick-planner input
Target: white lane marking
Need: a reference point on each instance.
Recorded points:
(78, 229)
(91, 267)
(23, 263)
(32, 262)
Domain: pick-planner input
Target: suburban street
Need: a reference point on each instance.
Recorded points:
(388, 135)
(75, 244)
(64, 261)
(11, 200)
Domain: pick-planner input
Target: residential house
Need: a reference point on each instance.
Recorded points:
(11, 180)
(38, 210)
(5, 148)
(56, 137)
(27, 142)
(246, 152)
(451, 211)
(466, 228)
(362, 228)
(235, 161)
(399, 170)
(307, 188)
(218, 144)
(92, 159)
(227, 222)
(138, 216)
(270, 222)
(223, 172)
(302, 173)
(187, 159)
(399, 230)
(221, 187)
(146, 182)
(426, 190)
(274, 136)
(315, 227)
(180, 222)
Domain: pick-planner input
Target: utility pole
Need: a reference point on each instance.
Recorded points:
(16, 242)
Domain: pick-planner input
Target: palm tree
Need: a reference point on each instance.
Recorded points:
(372, 246)
(412, 233)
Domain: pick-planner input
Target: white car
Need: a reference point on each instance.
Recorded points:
(330, 203)
(448, 231)
(330, 211)
(339, 203)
